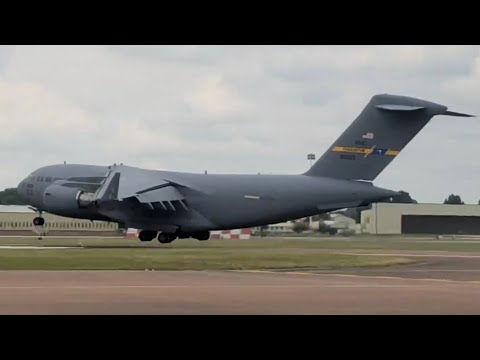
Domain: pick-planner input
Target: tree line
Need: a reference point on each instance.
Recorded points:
(10, 196)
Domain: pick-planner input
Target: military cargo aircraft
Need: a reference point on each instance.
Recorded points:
(168, 205)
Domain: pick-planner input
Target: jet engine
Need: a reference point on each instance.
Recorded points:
(67, 201)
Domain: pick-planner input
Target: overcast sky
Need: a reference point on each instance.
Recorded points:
(234, 109)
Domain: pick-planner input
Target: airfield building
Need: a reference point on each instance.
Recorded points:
(436, 219)
(18, 220)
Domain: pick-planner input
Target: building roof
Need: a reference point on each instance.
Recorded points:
(424, 209)
(15, 209)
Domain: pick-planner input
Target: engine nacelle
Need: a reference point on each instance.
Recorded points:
(85, 199)
(67, 201)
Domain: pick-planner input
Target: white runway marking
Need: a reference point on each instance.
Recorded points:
(320, 274)
(23, 247)
(73, 287)
(423, 270)
(415, 255)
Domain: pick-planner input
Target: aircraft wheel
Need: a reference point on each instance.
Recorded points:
(38, 221)
(202, 235)
(147, 235)
(166, 238)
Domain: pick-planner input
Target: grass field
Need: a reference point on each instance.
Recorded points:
(176, 259)
(185, 254)
(189, 254)
(325, 243)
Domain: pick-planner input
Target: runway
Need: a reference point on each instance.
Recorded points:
(437, 285)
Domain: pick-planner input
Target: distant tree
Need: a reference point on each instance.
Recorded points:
(326, 229)
(454, 199)
(323, 216)
(403, 198)
(263, 229)
(300, 226)
(10, 197)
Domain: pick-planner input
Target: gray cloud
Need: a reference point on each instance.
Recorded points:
(240, 109)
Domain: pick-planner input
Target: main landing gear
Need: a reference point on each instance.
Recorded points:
(166, 237)
(147, 235)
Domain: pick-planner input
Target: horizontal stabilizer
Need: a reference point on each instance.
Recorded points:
(393, 107)
(453, 113)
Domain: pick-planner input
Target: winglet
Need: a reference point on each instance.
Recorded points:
(109, 190)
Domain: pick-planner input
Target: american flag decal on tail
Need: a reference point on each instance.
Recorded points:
(368, 135)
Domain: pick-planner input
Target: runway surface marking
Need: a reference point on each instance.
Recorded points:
(319, 274)
(413, 255)
(107, 287)
(28, 247)
(63, 237)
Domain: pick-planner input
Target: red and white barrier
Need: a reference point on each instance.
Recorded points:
(231, 234)
(132, 233)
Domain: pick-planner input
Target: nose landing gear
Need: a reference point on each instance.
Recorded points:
(38, 223)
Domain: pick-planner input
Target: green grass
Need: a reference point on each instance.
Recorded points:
(184, 254)
(179, 259)
(189, 254)
(321, 243)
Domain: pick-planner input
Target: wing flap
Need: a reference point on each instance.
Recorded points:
(148, 189)
(168, 193)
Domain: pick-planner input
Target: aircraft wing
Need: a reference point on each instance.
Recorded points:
(141, 186)
(85, 186)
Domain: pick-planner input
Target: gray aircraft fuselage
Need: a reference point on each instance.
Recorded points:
(185, 203)
(217, 201)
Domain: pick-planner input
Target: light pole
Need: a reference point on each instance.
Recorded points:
(310, 157)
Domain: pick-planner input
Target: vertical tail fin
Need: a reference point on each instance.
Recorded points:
(384, 127)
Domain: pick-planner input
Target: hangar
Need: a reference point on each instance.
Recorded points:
(18, 220)
(437, 219)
